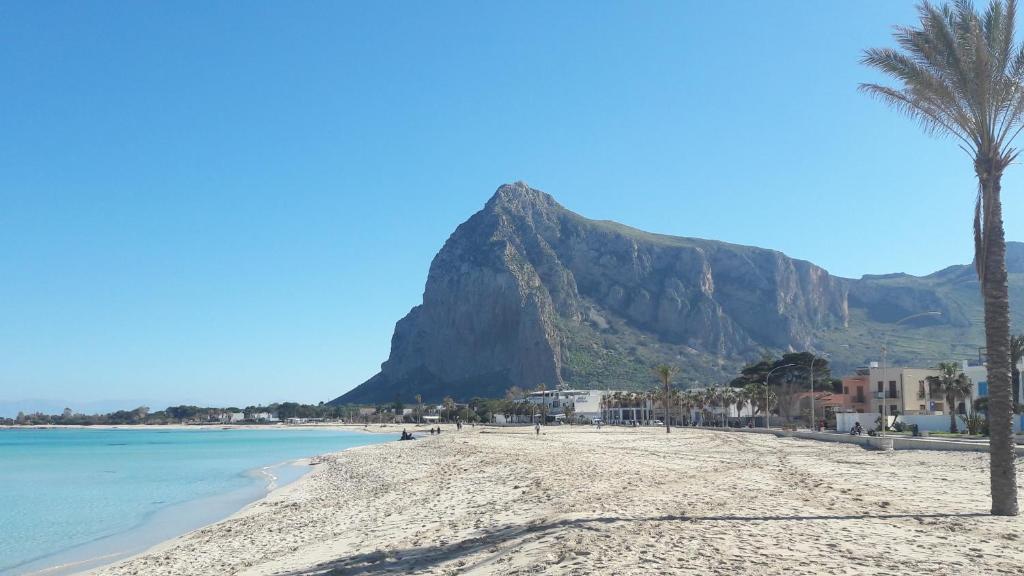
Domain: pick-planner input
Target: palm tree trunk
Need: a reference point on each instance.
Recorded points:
(668, 413)
(997, 340)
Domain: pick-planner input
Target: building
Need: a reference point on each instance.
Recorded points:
(262, 417)
(898, 390)
(232, 417)
(857, 392)
(978, 374)
(580, 403)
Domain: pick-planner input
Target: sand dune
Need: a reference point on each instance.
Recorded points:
(614, 501)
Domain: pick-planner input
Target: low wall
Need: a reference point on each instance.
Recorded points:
(846, 420)
(925, 422)
(929, 422)
(875, 442)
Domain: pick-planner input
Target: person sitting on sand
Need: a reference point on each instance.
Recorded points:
(856, 430)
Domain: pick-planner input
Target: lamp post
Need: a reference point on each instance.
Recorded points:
(885, 352)
(768, 395)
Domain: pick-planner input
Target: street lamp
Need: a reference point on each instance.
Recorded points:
(814, 358)
(768, 395)
(885, 351)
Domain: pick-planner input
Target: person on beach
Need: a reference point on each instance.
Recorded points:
(536, 428)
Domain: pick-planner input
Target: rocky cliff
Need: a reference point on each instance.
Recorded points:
(527, 292)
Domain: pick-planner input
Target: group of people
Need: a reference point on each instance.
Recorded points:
(407, 435)
(857, 430)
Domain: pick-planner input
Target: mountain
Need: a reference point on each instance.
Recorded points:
(527, 292)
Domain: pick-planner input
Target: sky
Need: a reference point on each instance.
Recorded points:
(233, 203)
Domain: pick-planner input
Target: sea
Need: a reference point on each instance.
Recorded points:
(72, 499)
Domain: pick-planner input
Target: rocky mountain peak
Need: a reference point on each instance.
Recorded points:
(526, 292)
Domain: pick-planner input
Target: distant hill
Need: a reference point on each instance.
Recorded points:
(527, 292)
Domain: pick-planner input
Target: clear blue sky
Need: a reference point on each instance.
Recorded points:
(234, 202)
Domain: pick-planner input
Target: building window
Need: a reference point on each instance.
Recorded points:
(982, 389)
(892, 409)
(846, 389)
(892, 389)
(881, 386)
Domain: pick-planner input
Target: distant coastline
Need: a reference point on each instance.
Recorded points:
(371, 428)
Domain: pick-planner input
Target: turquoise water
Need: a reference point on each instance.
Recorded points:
(68, 495)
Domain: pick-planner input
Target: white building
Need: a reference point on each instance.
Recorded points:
(263, 417)
(978, 373)
(232, 417)
(581, 403)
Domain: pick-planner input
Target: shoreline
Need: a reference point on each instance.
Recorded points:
(326, 426)
(189, 515)
(314, 464)
(181, 518)
(577, 500)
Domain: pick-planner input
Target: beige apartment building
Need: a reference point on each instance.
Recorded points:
(902, 391)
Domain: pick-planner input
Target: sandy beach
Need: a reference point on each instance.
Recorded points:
(577, 500)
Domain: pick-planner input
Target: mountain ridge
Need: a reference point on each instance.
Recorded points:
(526, 292)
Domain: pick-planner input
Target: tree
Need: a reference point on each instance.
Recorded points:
(960, 74)
(756, 393)
(665, 373)
(727, 395)
(701, 399)
(543, 403)
(953, 384)
(449, 407)
(419, 408)
(791, 374)
(741, 397)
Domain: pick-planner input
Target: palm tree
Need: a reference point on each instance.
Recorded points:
(713, 397)
(755, 393)
(960, 74)
(665, 373)
(741, 397)
(1016, 355)
(953, 384)
(419, 407)
(543, 403)
(703, 398)
(726, 399)
(449, 406)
